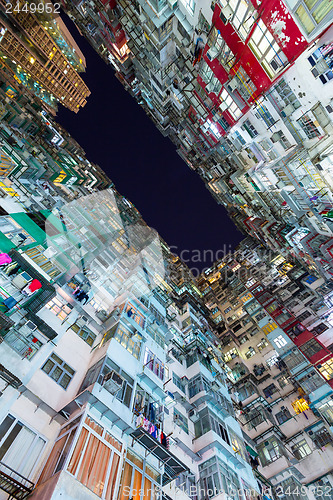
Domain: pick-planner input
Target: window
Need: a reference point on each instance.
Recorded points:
(270, 390)
(243, 18)
(209, 422)
(231, 354)
(308, 127)
(269, 451)
(262, 344)
(280, 341)
(311, 348)
(320, 435)
(283, 381)
(84, 333)
(58, 370)
(94, 450)
(229, 104)
(124, 395)
(20, 447)
(179, 382)
(310, 13)
(198, 384)
(283, 415)
(285, 96)
(247, 125)
(131, 342)
(267, 50)
(326, 369)
(154, 364)
(217, 476)
(326, 410)
(135, 315)
(250, 352)
(180, 420)
(58, 308)
(272, 360)
(237, 444)
(138, 477)
(264, 114)
(321, 64)
(301, 449)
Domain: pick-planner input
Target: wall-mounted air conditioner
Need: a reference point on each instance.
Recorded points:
(288, 110)
(112, 382)
(193, 416)
(28, 328)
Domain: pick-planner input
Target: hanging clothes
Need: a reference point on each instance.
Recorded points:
(5, 259)
(34, 285)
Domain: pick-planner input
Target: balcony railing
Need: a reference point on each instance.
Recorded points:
(13, 483)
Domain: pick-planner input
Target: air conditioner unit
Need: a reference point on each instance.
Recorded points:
(112, 382)
(288, 110)
(193, 416)
(82, 321)
(212, 53)
(28, 328)
(233, 84)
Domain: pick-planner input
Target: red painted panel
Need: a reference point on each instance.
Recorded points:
(302, 338)
(275, 14)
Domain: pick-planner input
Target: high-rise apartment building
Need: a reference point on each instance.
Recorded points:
(112, 382)
(244, 90)
(38, 53)
(276, 336)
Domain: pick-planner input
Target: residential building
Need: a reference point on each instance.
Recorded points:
(37, 52)
(276, 338)
(244, 90)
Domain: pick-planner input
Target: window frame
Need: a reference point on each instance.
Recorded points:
(63, 366)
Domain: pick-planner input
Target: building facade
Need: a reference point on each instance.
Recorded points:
(38, 53)
(244, 90)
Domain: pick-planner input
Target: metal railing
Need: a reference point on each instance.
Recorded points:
(13, 483)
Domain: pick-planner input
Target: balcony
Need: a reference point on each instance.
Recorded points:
(172, 465)
(13, 483)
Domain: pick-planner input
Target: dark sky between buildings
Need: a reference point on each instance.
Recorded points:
(116, 134)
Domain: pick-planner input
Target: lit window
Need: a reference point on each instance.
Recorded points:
(243, 18)
(229, 104)
(280, 341)
(326, 369)
(300, 405)
(267, 50)
(310, 13)
(301, 449)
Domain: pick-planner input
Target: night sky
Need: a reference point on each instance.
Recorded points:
(116, 134)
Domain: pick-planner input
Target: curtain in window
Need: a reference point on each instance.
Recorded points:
(112, 477)
(74, 462)
(137, 485)
(24, 451)
(93, 468)
(322, 10)
(126, 482)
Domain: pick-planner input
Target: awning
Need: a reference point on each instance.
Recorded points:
(172, 465)
(251, 451)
